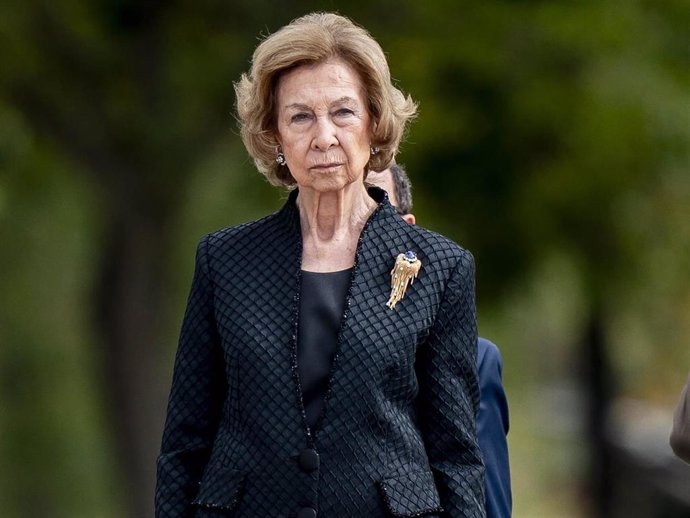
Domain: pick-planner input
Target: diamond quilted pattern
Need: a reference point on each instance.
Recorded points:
(220, 488)
(396, 436)
(411, 495)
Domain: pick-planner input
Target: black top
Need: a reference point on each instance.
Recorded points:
(322, 300)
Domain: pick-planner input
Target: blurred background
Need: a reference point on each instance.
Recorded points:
(552, 141)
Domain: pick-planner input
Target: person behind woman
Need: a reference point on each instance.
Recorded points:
(327, 357)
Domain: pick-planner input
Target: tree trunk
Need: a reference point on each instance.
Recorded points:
(598, 383)
(130, 310)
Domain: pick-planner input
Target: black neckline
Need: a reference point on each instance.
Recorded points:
(347, 270)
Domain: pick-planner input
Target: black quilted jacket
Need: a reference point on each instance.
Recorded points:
(397, 433)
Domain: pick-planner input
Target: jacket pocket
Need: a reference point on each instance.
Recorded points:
(221, 489)
(411, 495)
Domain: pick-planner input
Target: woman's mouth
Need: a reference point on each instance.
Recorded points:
(326, 167)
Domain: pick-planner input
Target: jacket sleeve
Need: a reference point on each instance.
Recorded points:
(492, 431)
(449, 397)
(196, 399)
(680, 434)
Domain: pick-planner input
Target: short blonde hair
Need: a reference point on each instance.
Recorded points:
(314, 38)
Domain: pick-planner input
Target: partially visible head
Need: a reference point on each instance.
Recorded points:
(396, 183)
(313, 39)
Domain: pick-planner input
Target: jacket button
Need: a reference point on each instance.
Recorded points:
(306, 512)
(308, 461)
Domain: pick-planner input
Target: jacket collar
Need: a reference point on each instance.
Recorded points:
(290, 212)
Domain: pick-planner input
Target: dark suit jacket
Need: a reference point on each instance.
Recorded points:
(396, 436)
(492, 429)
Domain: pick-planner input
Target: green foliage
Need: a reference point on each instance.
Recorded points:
(536, 118)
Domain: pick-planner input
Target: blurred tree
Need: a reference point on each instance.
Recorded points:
(539, 121)
(132, 94)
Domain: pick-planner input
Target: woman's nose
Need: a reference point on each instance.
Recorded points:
(325, 137)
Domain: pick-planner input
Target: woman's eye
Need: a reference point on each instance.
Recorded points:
(344, 112)
(300, 117)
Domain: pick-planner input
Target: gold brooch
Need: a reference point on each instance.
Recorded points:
(403, 274)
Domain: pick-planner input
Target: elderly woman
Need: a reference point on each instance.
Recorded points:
(326, 364)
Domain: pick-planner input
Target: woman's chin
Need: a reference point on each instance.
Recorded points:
(328, 183)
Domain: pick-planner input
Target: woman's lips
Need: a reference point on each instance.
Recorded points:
(323, 167)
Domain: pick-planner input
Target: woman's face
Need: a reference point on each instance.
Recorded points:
(324, 128)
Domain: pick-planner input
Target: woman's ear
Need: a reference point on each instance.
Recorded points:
(372, 130)
(276, 138)
(409, 218)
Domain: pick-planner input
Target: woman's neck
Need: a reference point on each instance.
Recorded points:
(331, 224)
(327, 215)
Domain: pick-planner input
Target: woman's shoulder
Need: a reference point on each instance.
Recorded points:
(438, 246)
(269, 229)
